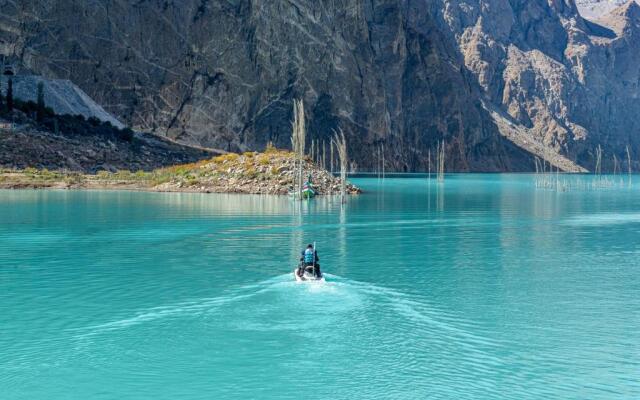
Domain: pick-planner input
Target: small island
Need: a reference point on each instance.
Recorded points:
(270, 172)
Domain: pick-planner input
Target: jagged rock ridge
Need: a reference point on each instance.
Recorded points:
(498, 80)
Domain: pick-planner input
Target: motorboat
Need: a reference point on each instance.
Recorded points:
(307, 275)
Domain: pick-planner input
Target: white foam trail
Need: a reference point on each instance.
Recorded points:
(344, 296)
(204, 305)
(185, 308)
(424, 313)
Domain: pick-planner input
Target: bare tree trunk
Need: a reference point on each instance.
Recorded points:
(324, 155)
(311, 154)
(382, 161)
(377, 171)
(629, 164)
(298, 138)
(598, 160)
(331, 163)
(341, 146)
(441, 162)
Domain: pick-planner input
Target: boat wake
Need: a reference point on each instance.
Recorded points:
(281, 303)
(339, 316)
(183, 309)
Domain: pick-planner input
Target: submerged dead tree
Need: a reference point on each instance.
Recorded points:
(341, 146)
(629, 164)
(298, 138)
(429, 163)
(598, 170)
(331, 162)
(324, 155)
(441, 162)
(383, 162)
(378, 163)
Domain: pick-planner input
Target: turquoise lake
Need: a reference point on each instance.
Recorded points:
(481, 288)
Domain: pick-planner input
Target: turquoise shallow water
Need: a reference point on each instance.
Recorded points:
(483, 288)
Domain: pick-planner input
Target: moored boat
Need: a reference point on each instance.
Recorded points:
(307, 192)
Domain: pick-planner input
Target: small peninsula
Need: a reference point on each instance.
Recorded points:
(269, 172)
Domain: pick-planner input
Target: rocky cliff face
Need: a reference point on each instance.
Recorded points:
(596, 8)
(571, 83)
(500, 81)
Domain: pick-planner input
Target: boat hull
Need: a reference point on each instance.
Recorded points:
(306, 277)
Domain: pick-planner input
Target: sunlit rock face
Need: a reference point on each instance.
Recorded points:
(500, 81)
(62, 96)
(596, 8)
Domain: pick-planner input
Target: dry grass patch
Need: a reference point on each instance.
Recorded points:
(226, 158)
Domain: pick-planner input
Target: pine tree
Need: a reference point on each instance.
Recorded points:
(40, 102)
(10, 95)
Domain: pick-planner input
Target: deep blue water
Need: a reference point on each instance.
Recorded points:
(481, 288)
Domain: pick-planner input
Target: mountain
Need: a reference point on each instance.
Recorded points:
(596, 8)
(499, 81)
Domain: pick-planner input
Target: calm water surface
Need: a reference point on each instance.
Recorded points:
(483, 288)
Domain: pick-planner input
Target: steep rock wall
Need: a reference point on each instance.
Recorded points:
(397, 74)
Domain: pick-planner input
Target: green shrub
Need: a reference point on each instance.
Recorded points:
(192, 180)
(123, 174)
(251, 173)
(160, 178)
(264, 159)
(73, 178)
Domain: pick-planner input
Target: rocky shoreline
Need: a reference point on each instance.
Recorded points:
(271, 172)
(23, 144)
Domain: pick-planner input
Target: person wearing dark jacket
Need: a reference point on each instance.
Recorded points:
(309, 261)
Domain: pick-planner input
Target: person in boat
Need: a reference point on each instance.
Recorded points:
(307, 189)
(309, 261)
